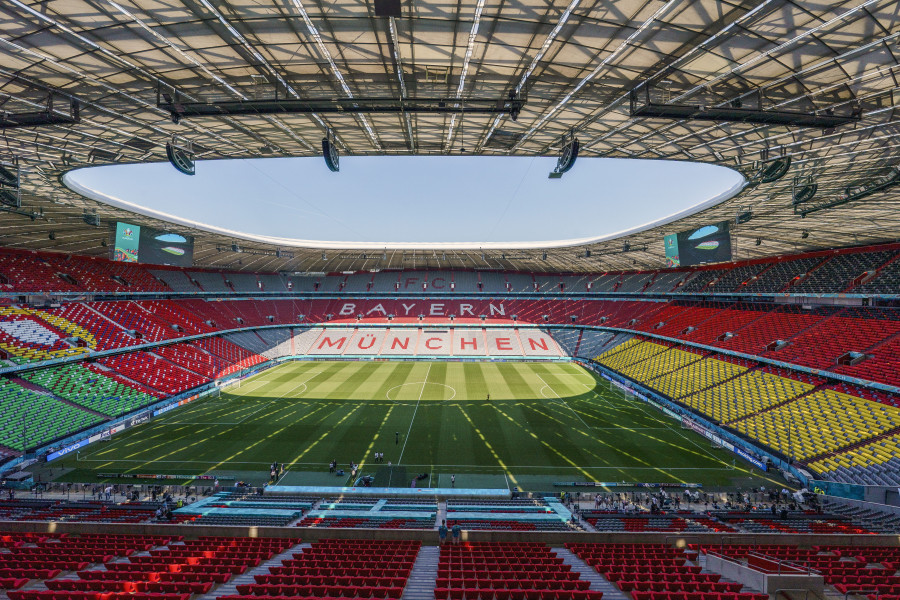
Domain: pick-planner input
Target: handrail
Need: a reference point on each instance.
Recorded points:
(729, 539)
(724, 557)
(785, 562)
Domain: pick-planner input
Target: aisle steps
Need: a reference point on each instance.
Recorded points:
(599, 583)
(229, 588)
(420, 585)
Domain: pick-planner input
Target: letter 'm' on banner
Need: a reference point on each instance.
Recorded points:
(327, 341)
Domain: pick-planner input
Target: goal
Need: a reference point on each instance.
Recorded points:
(228, 383)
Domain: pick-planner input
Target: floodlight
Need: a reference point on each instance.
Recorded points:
(180, 153)
(10, 194)
(567, 156)
(10, 198)
(330, 152)
(804, 189)
(773, 171)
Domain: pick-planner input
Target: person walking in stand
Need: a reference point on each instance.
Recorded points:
(456, 531)
(442, 532)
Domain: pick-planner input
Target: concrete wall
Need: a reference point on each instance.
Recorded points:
(765, 582)
(429, 537)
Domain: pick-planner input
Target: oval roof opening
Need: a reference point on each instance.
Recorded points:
(415, 201)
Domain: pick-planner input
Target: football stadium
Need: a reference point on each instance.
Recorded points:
(473, 300)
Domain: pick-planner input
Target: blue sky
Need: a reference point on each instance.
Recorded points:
(417, 198)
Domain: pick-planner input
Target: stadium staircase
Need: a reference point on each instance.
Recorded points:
(420, 585)
(859, 444)
(799, 354)
(44, 392)
(229, 588)
(701, 560)
(804, 276)
(121, 378)
(189, 359)
(758, 275)
(598, 582)
(723, 381)
(777, 405)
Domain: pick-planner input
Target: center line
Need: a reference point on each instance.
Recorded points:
(415, 410)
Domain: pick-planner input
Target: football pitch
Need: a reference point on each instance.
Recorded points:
(487, 424)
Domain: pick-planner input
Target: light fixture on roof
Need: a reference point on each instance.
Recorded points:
(772, 170)
(567, 155)
(90, 218)
(180, 153)
(854, 193)
(758, 241)
(330, 151)
(10, 193)
(803, 189)
(324, 256)
(744, 214)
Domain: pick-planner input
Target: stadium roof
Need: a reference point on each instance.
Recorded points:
(572, 64)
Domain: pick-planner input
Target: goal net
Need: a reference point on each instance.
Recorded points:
(231, 384)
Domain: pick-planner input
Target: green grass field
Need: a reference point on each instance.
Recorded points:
(544, 422)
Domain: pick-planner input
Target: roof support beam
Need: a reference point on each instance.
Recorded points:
(180, 110)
